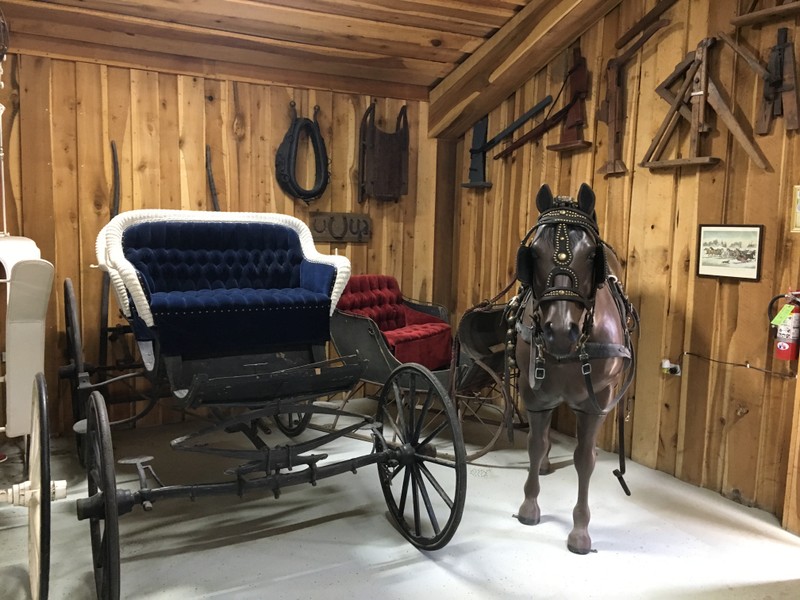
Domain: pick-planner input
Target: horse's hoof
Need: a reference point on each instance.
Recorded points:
(578, 550)
(528, 520)
(578, 543)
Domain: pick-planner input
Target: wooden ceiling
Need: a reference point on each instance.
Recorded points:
(463, 56)
(400, 48)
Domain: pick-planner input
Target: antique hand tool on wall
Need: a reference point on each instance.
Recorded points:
(477, 164)
(574, 118)
(612, 110)
(779, 91)
(698, 89)
(780, 87)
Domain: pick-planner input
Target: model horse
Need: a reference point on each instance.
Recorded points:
(573, 346)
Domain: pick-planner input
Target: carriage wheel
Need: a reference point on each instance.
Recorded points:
(104, 529)
(75, 356)
(425, 482)
(38, 460)
(482, 420)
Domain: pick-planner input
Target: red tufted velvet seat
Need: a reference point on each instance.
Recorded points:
(412, 336)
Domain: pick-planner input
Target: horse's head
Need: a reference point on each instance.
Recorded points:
(564, 265)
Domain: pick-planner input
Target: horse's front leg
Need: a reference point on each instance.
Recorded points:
(538, 447)
(579, 541)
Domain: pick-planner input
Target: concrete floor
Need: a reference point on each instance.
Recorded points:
(335, 540)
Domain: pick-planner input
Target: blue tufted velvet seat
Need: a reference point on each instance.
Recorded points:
(221, 284)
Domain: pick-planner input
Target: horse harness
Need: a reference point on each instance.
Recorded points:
(286, 157)
(563, 216)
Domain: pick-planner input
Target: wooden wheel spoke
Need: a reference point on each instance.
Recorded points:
(423, 491)
(436, 485)
(404, 491)
(415, 502)
(441, 427)
(423, 415)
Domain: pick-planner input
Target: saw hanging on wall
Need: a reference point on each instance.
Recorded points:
(382, 158)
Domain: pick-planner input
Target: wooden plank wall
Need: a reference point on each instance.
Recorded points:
(719, 426)
(62, 117)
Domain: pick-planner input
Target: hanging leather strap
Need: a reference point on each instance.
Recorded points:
(286, 157)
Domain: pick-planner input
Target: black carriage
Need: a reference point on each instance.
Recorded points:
(231, 313)
(376, 320)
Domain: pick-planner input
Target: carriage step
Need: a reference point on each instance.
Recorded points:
(142, 470)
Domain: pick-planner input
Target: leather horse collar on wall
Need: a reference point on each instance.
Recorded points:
(286, 157)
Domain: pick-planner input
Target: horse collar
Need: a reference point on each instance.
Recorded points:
(286, 157)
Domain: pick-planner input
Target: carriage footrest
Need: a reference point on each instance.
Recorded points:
(259, 387)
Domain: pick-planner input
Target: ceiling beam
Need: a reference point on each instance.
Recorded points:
(525, 45)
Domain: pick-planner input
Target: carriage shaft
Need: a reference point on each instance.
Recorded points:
(92, 507)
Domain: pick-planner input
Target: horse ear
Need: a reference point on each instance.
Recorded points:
(586, 199)
(544, 198)
(525, 265)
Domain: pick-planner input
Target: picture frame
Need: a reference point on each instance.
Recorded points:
(730, 251)
(796, 209)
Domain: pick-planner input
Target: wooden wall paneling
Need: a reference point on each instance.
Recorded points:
(748, 341)
(172, 186)
(445, 259)
(280, 98)
(700, 423)
(276, 127)
(652, 206)
(218, 139)
(192, 143)
(494, 205)
(61, 101)
(346, 119)
(422, 182)
(240, 155)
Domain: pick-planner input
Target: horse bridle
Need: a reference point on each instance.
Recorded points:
(562, 216)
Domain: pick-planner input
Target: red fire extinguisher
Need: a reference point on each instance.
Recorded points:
(788, 326)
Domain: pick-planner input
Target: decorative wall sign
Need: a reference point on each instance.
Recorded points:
(340, 227)
(730, 251)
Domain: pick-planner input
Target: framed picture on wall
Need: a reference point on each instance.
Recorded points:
(730, 251)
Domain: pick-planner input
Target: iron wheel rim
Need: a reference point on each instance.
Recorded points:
(101, 479)
(425, 479)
